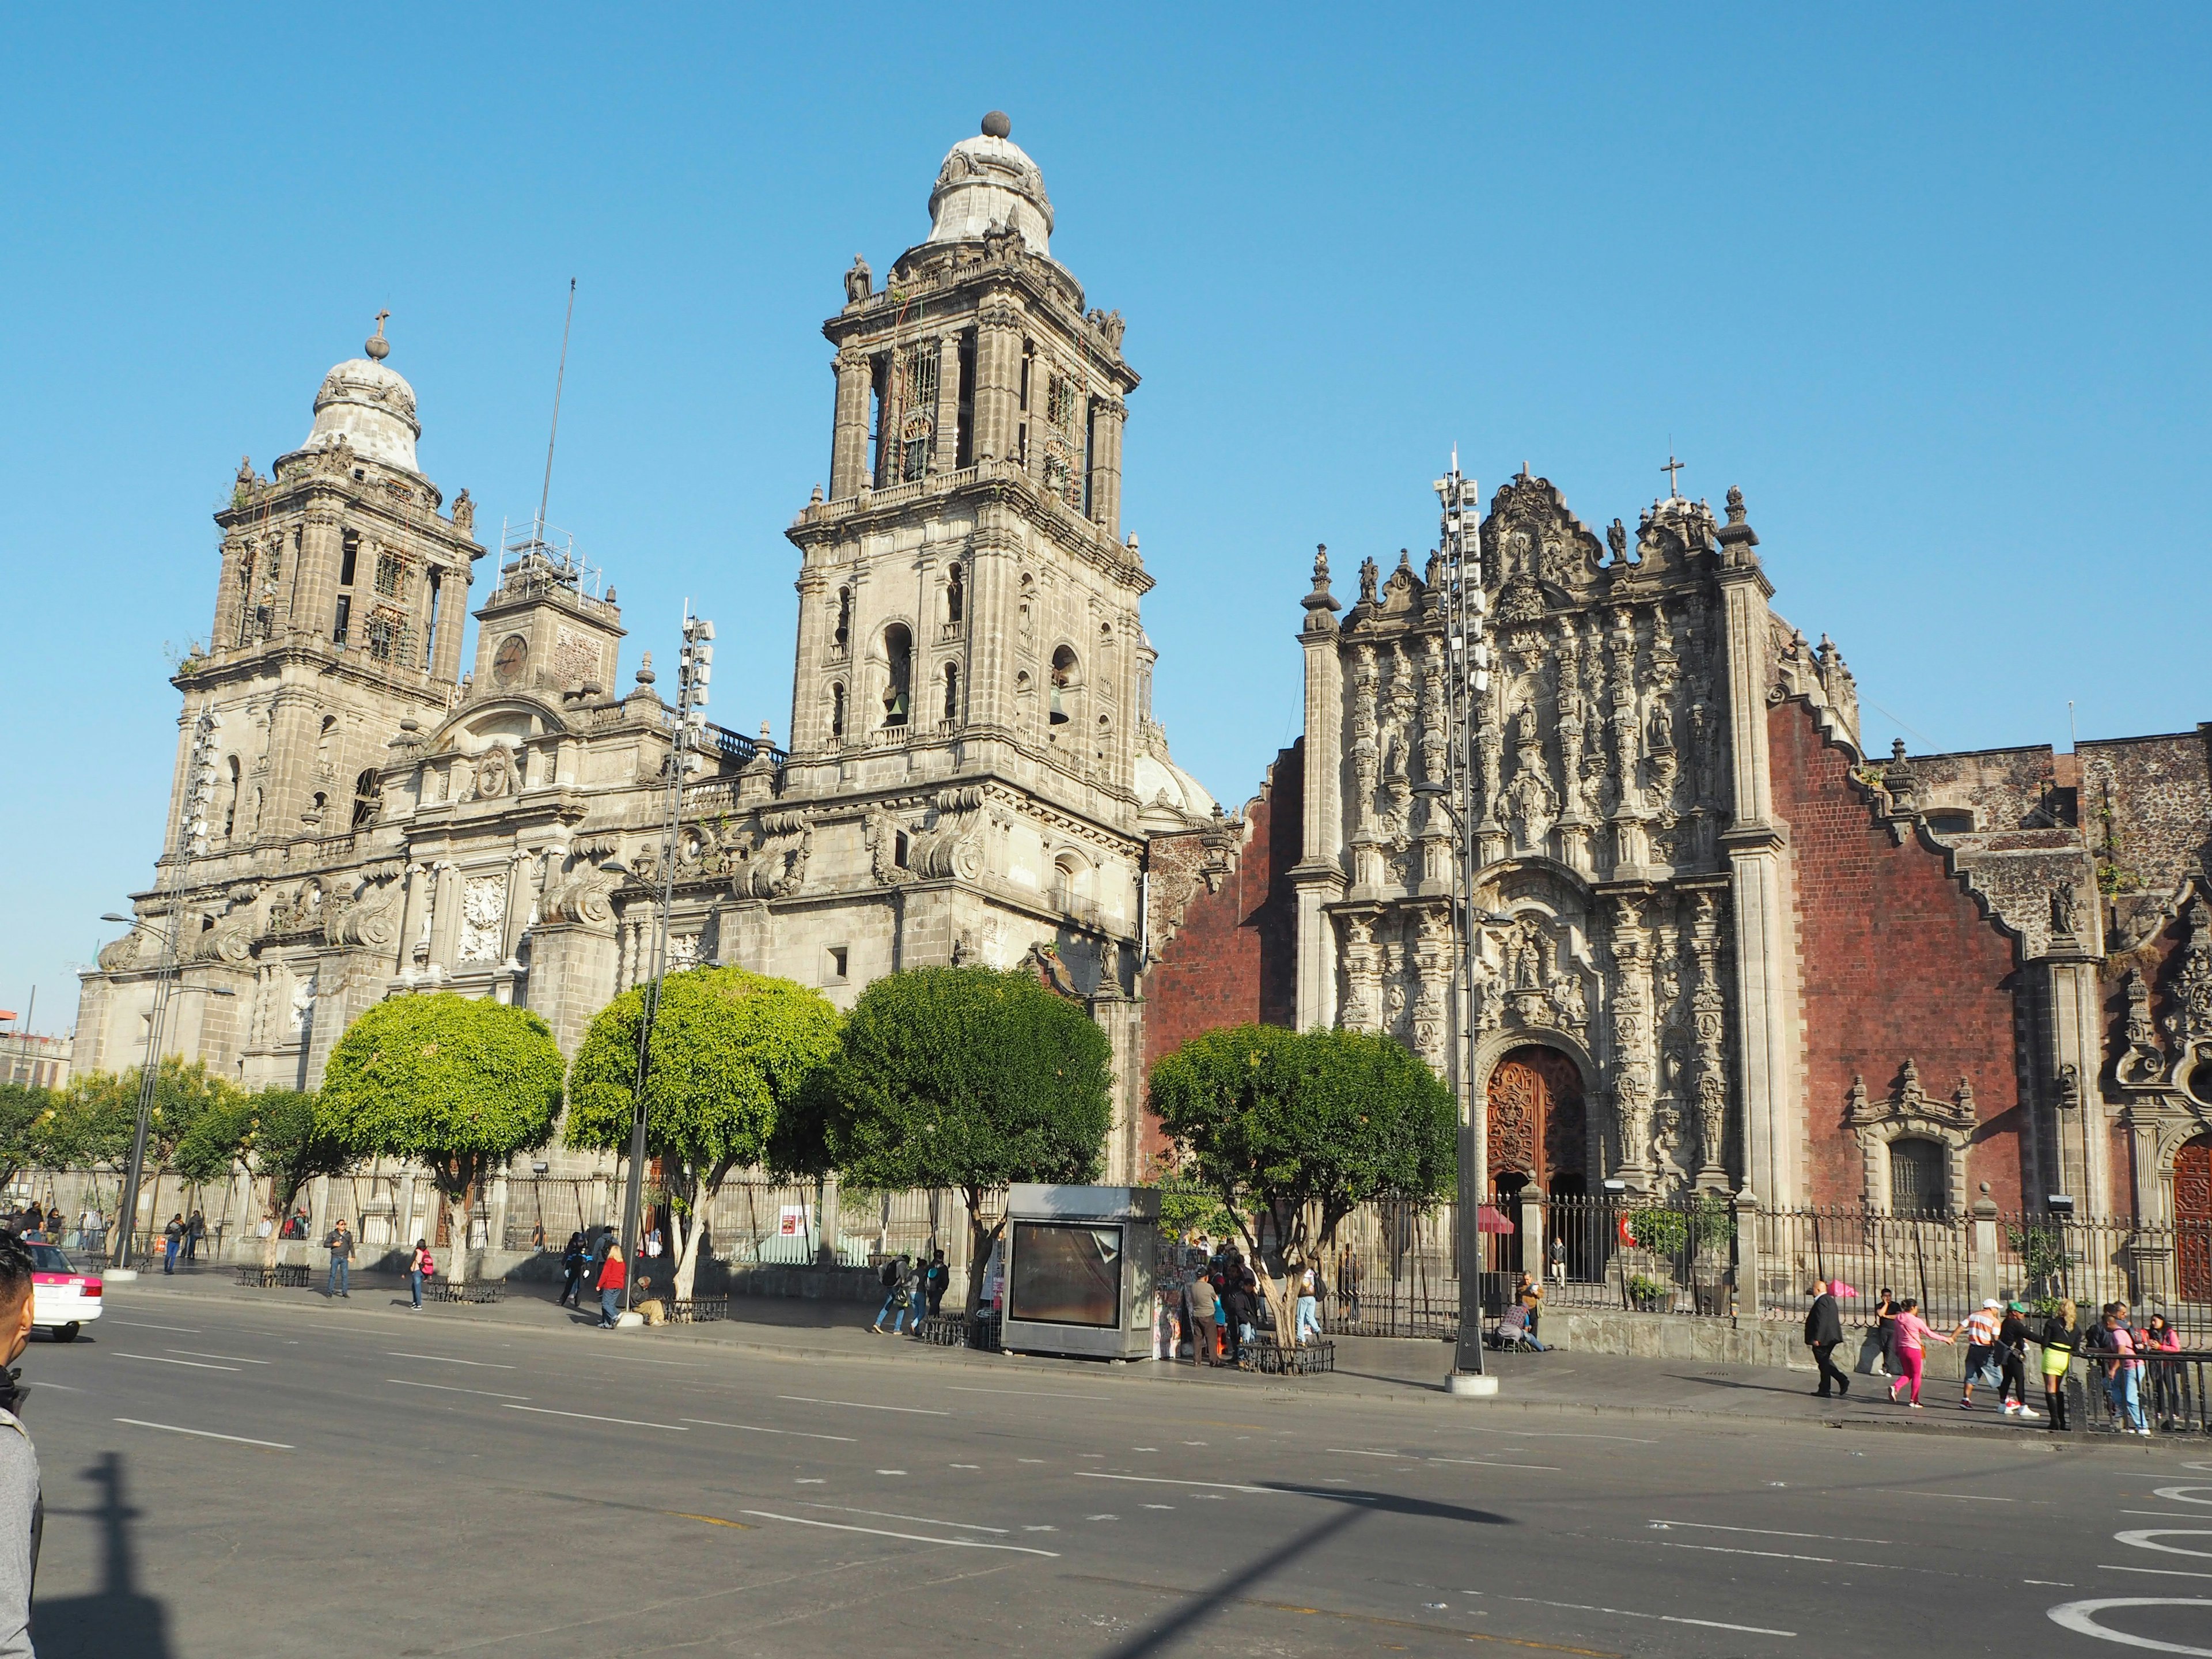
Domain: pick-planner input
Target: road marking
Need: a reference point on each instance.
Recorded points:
(1963, 1497)
(588, 1416)
(640, 1359)
(197, 1354)
(712, 1520)
(2163, 1514)
(755, 1428)
(1630, 1612)
(1160, 1506)
(2180, 1494)
(1559, 1434)
(911, 1537)
(1034, 1393)
(1782, 1555)
(966, 1466)
(1347, 1451)
(926, 1520)
(141, 1325)
(863, 1405)
(2080, 1617)
(156, 1359)
(1418, 1457)
(1162, 1480)
(206, 1434)
(447, 1388)
(1771, 1532)
(1180, 1594)
(2052, 1583)
(890, 1471)
(2141, 1539)
(2159, 1573)
(484, 1365)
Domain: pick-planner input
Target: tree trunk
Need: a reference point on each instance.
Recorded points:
(457, 1264)
(980, 1240)
(687, 1252)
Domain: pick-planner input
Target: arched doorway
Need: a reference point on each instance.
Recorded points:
(2192, 1219)
(1537, 1134)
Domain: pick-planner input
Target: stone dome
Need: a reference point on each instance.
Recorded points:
(987, 180)
(372, 407)
(1168, 798)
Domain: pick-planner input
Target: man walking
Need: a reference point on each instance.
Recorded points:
(173, 1236)
(195, 1231)
(22, 1510)
(340, 1244)
(898, 1291)
(1824, 1329)
(1981, 1328)
(571, 1272)
(1203, 1302)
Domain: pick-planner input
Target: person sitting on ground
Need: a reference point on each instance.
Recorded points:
(1513, 1331)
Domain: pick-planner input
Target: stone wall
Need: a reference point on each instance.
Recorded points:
(1896, 963)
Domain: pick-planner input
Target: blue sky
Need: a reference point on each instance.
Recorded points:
(1929, 283)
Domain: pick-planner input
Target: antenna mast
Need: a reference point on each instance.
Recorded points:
(545, 494)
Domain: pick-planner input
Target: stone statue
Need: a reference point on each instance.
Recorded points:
(860, 281)
(1370, 574)
(2062, 907)
(1616, 538)
(465, 511)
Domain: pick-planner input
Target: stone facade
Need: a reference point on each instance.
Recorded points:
(974, 776)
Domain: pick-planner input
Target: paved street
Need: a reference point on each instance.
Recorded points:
(245, 1475)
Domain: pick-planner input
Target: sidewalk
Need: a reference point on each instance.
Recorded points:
(1376, 1368)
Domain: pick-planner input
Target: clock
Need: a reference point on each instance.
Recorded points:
(506, 662)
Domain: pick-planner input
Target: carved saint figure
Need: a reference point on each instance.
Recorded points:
(2062, 907)
(860, 280)
(1616, 538)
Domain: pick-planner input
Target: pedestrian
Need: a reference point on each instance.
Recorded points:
(2161, 1339)
(537, 1234)
(340, 1245)
(195, 1231)
(22, 1507)
(91, 1230)
(2059, 1340)
(1913, 1333)
(1348, 1275)
(1530, 1293)
(1307, 1316)
(653, 1240)
(2012, 1360)
(917, 1300)
(1824, 1330)
(420, 1267)
(1557, 1251)
(1234, 1289)
(573, 1259)
(613, 1275)
(2123, 1372)
(172, 1238)
(1874, 1353)
(1980, 1329)
(894, 1277)
(1204, 1301)
(938, 1276)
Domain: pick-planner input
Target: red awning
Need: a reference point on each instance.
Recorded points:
(1490, 1221)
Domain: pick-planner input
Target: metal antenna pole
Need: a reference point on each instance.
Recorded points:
(559, 379)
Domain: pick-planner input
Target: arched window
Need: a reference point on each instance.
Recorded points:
(1915, 1176)
(951, 692)
(843, 636)
(364, 798)
(838, 713)
(230, 801)
(315, 810)
(1066, 679)
(1070, 879)
(898, 680)
(955, 596)
(326, 741)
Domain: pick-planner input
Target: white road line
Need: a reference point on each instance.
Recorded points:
(197, 1354)
(2156, 1572)
(863, 1405)
(2081, 1617)
(206, 1434)
(482, 1364)
(2180, 1494)
(1557, 1434)
(141, 1325)
(2163, 1514)
(926, 1520)
(447, 1388)
(2141, 1539)
(1162, 1480)
(1777, 1555)
(1627, 1612)
(1418, 1457)
(588, 1416)
(640, 1359)
(156, 1359)
(1769, 1532)
(911, 1537)
(1963, 1497)
(755, 1428)
(1037, 1394)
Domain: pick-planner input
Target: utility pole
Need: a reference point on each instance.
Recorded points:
(695, 670)
(1465, 606)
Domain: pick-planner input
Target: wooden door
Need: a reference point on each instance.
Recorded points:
(2192, 1216)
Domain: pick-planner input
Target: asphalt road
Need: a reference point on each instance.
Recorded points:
(287, 1477)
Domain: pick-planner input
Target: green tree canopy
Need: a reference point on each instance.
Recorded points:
(99, 1116)
(965, 1078)
(731, 1052)
(458, 1084)
(274, 1134)
(1303, 1127)
(31, 1124)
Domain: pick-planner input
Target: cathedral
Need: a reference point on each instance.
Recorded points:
(1717, 946)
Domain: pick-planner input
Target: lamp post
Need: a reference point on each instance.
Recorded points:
(695, 670)
(200, 775)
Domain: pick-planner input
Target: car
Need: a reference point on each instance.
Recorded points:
(62, 1297)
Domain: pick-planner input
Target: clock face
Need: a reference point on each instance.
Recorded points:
(507, 661)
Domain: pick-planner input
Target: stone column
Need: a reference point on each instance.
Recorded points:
(313, 584)
(495, 1230)
(826, 1241)
(453, 616)
(231, 600)
(445, 916)
(944, 450)
(404, 1216)
(1107, 416)
(997, 376)
(521, 894)
(993, 625)
(1319, 877)
(2067, 1077)
(849, 442)
(1746, 1255)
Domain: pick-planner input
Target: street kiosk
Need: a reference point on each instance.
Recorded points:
(1079, 1263)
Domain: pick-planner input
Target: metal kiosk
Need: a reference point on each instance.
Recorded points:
(1079, 1270)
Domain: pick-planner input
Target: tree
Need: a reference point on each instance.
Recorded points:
(731, 1052)
(458, 1084)
(98, 1118)
(1303, 1128)
(965, 1078)
(274, 1135)
(29, 1114)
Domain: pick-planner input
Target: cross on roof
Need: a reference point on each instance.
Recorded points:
(380, 316)
(1674, 471)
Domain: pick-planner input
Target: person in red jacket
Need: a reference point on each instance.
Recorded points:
(613, 1275)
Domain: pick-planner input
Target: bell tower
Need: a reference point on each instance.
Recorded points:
(966, 603)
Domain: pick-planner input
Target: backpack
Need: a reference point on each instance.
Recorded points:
(888, 1273)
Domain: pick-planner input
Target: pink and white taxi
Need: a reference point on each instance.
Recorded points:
(62, 1297)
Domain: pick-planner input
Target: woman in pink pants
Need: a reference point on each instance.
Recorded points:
(1912, 1332)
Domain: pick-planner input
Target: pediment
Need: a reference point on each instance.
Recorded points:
(504, 722)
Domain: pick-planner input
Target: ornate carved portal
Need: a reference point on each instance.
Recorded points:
(2192, 1217)
(1538, 1126)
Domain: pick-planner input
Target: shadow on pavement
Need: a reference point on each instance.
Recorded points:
(117, 1618)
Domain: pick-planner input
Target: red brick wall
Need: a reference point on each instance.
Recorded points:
(1234, 960)
(1895, 959)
